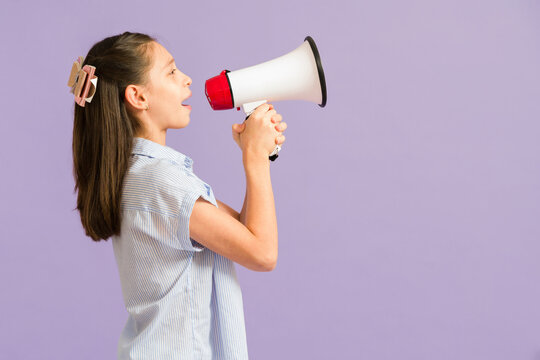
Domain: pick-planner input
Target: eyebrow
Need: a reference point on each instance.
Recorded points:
(169, 63)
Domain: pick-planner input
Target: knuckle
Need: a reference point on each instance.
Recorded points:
(268, 116)
(263, 108)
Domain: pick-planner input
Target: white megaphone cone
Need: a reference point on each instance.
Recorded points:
(297, 75)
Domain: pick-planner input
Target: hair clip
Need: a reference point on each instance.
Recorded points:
(83, 82)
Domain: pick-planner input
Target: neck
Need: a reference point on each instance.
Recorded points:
(157, 136)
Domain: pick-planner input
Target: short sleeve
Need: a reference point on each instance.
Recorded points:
(201, 190)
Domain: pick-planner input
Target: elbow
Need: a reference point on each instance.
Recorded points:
(268, 266)
(264, 255)
(268, 262)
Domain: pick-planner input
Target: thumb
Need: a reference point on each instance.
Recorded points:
(238, 128)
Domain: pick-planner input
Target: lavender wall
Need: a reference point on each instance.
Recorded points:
(408, 208)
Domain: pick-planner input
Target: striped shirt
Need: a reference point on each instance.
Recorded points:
(183, 300)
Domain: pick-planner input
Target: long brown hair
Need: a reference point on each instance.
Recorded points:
(103, 131)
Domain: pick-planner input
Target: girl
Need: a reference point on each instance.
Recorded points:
(174, 243)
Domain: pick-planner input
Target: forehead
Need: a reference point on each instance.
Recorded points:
(160, 55)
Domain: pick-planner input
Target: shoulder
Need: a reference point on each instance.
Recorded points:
(157, 183)
(159, 172)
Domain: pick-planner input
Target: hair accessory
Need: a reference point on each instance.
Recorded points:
(83, 82)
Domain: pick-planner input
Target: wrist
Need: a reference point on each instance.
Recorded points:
(252, 156)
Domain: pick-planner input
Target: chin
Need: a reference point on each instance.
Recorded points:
(184, 122)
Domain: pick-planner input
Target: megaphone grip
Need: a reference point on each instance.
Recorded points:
(276, 149)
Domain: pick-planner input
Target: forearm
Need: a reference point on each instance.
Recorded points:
(258, 212)
(243, 212)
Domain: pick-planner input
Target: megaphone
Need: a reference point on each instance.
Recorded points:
(297, 75)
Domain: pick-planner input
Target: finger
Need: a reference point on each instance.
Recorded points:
(261, 109)
(281, 127)
(270, 113)
(276, 118)
(280, 139)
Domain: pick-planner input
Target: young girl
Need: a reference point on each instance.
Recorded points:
(174, 243)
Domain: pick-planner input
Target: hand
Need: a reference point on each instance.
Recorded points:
(264, 124)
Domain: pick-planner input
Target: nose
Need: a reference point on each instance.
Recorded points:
(188, 81)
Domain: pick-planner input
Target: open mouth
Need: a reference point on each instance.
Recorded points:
(186, 105)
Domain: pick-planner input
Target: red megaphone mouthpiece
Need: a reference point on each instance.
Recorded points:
(218, 92)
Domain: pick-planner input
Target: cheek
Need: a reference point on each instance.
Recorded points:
(173, 96)
(166, 99)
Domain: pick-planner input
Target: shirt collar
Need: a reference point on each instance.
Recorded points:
(152, 149)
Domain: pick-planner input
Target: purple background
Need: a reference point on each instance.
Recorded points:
(408, 207)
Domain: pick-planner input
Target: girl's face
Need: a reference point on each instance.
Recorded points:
(167, 89)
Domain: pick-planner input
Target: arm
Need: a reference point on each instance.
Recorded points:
(243, 212)
(259, 210)
(228, 210)
(251, 237)
(253, 246)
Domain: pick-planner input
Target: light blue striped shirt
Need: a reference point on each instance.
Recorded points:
(183, 300)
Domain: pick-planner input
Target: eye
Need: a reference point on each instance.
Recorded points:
(172, 72)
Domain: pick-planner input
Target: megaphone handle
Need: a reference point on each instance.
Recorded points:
(274, 155)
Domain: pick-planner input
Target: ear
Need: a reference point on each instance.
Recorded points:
(135, 97)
